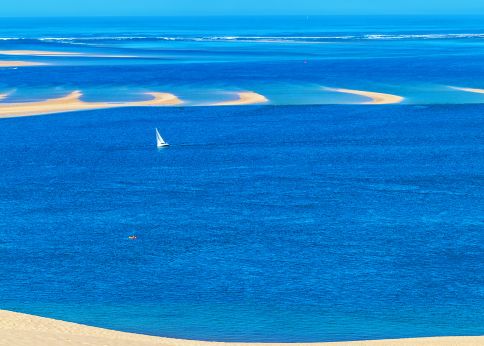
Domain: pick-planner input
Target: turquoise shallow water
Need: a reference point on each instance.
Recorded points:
(267, 223)
(289, 59)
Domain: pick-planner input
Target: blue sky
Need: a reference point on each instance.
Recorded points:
(219, 7)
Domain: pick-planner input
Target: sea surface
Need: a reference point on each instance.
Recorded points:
(299, 220)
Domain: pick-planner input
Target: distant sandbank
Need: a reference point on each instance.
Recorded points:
(5, 63)
(27, 330)
(73, 102)
(244, 98)
(46, 53)
(38, 53)
(375, 98)
(470, 90)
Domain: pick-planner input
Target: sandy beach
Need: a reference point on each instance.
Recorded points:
(244, 98)
(27, 330)
(375, 98)
(73, 102)
(9, 63)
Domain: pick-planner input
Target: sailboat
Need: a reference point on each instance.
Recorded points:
(160, 143)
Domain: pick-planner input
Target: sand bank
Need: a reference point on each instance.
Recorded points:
(47, 53)
(20, 63)
(375, 98)
(27, 330)
(38, 53)
(73, 102)
(244, 98)
(470, 90)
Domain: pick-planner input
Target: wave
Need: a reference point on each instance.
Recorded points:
(271, 39)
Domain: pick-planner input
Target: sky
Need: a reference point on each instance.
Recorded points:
(47, 8)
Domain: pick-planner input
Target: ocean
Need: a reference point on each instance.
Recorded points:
(306, 219)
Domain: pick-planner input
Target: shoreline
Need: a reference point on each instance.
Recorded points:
(17, 329)
(376, 98)
(72, 102)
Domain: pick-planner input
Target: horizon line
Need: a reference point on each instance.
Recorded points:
(251, 15)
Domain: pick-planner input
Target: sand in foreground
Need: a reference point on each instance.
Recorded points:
(375, 98)
(27, 330)
(244, 98)
(73, 102)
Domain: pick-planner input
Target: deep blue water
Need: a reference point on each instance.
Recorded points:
(294, 221)
(265, 223)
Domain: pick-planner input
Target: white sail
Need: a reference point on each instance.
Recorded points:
(159, 140)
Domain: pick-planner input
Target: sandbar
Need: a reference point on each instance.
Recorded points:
(244, 98)
(375, 97)
(5, 63)
(27, 330)
(72, 102)
(38, 53)
(46, 53)
(470, 90)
